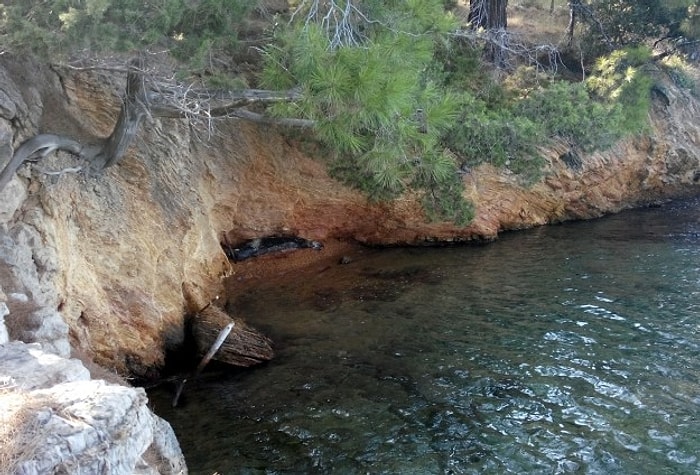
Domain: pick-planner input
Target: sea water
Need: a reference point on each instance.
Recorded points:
(572, 348)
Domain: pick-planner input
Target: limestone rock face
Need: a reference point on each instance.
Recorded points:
(32, 368)
(55, 419)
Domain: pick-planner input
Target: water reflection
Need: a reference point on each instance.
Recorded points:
(566, 349)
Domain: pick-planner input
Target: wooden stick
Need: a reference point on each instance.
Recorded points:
(223, 334)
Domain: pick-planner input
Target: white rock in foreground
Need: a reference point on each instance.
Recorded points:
(54, 419)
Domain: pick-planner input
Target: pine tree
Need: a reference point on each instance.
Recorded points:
(366, 85)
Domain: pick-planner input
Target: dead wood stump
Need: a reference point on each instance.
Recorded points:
(244, 346)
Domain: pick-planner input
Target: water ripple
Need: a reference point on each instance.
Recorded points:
(601, 312)
(600, 386)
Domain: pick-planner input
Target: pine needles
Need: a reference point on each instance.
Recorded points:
(375, 106)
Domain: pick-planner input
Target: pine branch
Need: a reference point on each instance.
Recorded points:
(242, 113)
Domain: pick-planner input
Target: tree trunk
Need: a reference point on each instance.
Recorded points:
(491, 15)
(498, 18)
(161, 100)
(133, 110)
(574, 6)
(477, 13)
(488, 14)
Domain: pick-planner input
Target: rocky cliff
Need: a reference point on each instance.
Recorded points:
(109, 254)
(95, 266)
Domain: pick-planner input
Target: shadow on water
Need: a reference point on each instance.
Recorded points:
(565, 349)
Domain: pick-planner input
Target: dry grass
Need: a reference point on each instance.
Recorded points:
(21, 435)
(532, 21)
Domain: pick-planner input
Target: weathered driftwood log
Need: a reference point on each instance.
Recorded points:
(244, 346)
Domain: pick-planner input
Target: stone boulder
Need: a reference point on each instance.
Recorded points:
(55, 419)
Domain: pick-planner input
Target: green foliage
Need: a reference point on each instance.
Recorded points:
(690, 25)
(499, 137)
(613, 102)
(22, 29)
(565, 110)
(619, 79)
(377, 107)
(629, 22)
(207, 28)
(488, 128)
(389, 108)
(444, 201)
(193, 31)
(681, 73)
(506, 129)
(459, 66)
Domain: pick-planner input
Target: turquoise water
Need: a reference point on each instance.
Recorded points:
(565, 349)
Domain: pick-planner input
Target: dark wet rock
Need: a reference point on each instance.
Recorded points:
(269, 245)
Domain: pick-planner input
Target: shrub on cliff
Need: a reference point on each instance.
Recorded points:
(591, 115)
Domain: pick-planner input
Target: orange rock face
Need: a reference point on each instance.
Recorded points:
(127, 241)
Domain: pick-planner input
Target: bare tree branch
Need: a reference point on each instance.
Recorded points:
(181, 101)
(149, 93)
(578, 9)
(511, 46)
(262, 119)
(340, 21)
(60, 172)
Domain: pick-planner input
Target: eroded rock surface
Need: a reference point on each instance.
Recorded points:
(54, 418)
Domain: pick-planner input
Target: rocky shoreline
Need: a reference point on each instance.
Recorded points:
(93, 267)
